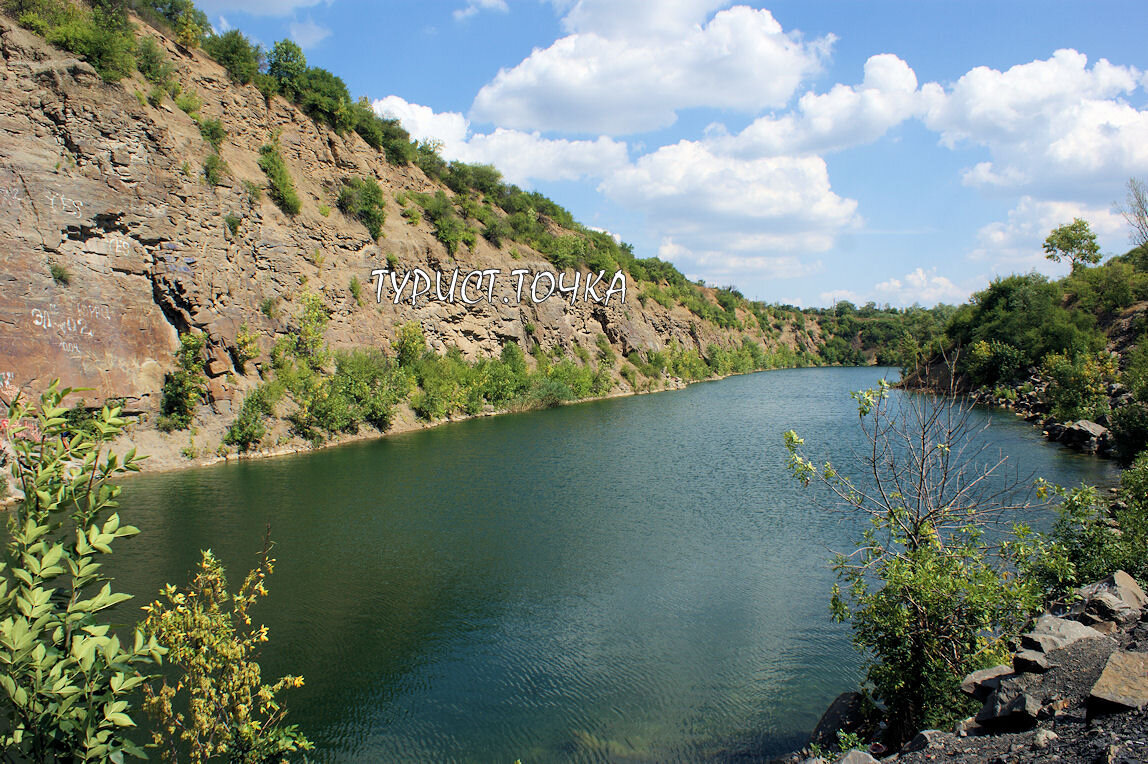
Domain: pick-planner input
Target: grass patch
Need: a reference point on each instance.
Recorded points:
(282, 188)
(60, 274)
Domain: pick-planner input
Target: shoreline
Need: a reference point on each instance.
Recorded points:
(405, 422)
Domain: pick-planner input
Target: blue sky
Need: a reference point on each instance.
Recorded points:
(803, 150)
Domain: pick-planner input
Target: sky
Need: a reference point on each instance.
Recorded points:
(806, 151)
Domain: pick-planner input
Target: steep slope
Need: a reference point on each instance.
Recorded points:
(112, 243)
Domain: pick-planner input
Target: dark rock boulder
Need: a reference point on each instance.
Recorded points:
(850, 712)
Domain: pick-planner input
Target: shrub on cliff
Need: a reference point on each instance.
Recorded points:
(215, 170)
(184, 386)
(152, 63)
(448, 226)
(101, 35)
(213, 132)
(361, 198)
(282, 188)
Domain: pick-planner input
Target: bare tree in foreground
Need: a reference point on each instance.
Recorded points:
(929, 589)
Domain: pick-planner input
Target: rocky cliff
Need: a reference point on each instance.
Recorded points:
(112, 243)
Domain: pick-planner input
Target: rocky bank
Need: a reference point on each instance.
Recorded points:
(1075, 691)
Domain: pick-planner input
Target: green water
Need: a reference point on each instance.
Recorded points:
(634, 579)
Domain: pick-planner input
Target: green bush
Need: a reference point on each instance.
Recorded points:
(60, 274)
(190, 103)
(1085, 546)
(101, 36)
(212, 132)
(254, 192)
(1129, 425)
(282, 187)
(249, 429)
(215, 169)
(549, 393)
(363, 199)
(152, 62)
(995, 362)
(1135, 375)
(630, 374)
(372, 386)
(409, 344)
(1028, 314)
(449, 227)
(287, 65)
(184, 387)
(312, 325)
(267, 85)
(1078, 387)
(232, 221)
(928, 597)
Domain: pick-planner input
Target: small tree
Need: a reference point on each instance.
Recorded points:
(185, 386)
(65, 678)
(1074, 241)
(287, 65)
(929, 596)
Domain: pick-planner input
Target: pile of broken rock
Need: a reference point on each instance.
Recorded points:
(1077, 690)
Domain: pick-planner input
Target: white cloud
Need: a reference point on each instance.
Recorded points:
(1054, 125)
(520, 156)
(473, 7)
(921, 286)
(634, 72)
(720, 267)
(307, 33)
(222, 26)
(1016, 244)
(709, 201)
(839, 295)
(610, 18)
(424, 123)
(845, 116)
(258, 7)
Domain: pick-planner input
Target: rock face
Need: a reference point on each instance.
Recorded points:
(112, 243)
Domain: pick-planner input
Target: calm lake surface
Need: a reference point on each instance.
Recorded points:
(635, 579)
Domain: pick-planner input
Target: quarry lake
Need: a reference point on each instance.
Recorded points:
(634, 579)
